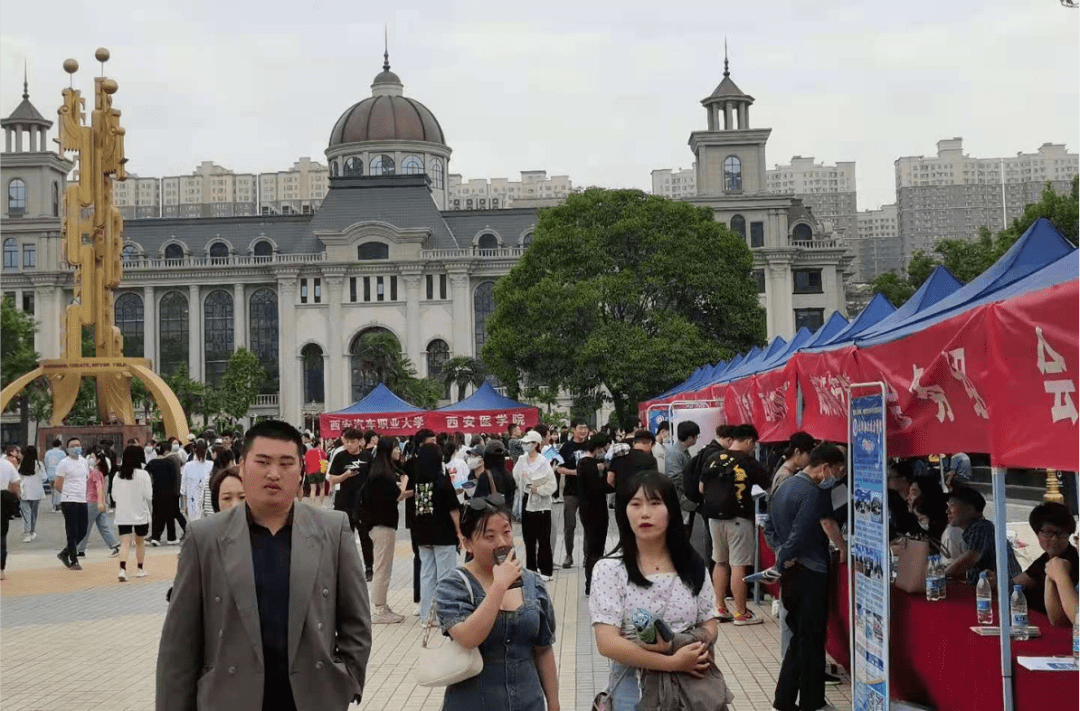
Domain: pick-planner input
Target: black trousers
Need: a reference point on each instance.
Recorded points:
(165, 514)
(703, 540)
(4, 521)
(415, 573)
(76, 521)
(594, 521)
(802, 673)
(536, 530)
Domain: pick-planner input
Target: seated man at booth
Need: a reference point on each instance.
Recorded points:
(1050, 582)
(965, 511)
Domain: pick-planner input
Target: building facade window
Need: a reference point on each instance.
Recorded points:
(411, 165)
(732, 175)
(483, 307)
(352, 289)
(312, 356)
(393, 288)
(173, 332)
(738, 225)
(759, 280)
(438, 352)
(263, 251)
(488, 241)
(218, 330)
(28, 303)
(757, 234)
(802, 233)
(263, 334)
(29, 253)
(527, 239)
(367, 288)
(354, 167)
(810, 319)
(16, 197)
(370, 359)
(437, 171)
(442, 286)
(11, 254)
(219, 251)
(303, 291)
(382, 165)
(430, 279)
(174, 251)
(380, 289)
(56, 199)
(130, 253)
(372, 250)
(807, 281)
(128, 313)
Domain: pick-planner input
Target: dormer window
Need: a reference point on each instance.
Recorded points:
(372, 250)
(353, 167)
(382, 165)
(174, 251)
(488, 241)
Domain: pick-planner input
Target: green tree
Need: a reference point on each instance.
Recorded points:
(18, 357)
(463, 371)
(190, 393)
(422, 392)
(897, 289)
(240, 385)
(620, 296)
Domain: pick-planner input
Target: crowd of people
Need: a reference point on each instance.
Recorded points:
(656, 600)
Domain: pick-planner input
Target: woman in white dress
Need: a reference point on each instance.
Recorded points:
(193, 478)
(133, 492)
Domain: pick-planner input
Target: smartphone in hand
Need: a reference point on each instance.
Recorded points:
(500, 555)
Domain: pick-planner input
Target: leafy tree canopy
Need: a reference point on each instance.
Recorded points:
(621, 295)
(967, 259)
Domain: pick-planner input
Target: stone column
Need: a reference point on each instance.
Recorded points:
(18, 139)
(240, 309)
(413, 347)
(335, 386)
(195, 331)
(781, 318)
(150, 326)
(290, 395)
(7, 140)
(462, 312)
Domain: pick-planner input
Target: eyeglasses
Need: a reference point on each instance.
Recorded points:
(491, 501)
(1051, 533)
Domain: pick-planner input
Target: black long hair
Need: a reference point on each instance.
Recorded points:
(688, 564)
(131, 460)
(383, 464)
(28, 465)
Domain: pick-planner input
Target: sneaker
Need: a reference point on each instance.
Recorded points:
(568, 563)
(386, 616)
(122, 577)
(63, 556)
(82, 554)
(27, 538)
(141, 573)
(546, 578)
(724, 615)
(75, 566)
(416, 611)
(747, 618)
(155, 542)
(369, 575)
(832, 679)
(33, 535)
(115, 552)
(172, 542)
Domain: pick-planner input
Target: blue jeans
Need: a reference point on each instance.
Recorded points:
(435, 562)
(626, 693)
(29, 508)
(101, 518)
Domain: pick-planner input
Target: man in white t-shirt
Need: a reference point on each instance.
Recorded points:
(71, 475)
(9, 484)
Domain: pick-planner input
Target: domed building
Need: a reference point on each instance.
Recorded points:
(381, 254)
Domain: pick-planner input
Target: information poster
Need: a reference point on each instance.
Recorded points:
(869, 543)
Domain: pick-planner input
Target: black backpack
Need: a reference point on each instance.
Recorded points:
(726, 468)
(692, 471)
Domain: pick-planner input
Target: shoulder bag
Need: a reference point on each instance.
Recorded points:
(449, 662)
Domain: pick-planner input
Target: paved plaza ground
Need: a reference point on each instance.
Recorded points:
(83, 641)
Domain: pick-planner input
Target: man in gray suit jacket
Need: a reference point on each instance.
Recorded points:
(269, 609)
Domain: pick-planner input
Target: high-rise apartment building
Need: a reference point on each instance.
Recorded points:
(534, 188)
(210, 191)
(298, 191)
(952, 195)
(137, 197)
(675, 184)
(877, 249)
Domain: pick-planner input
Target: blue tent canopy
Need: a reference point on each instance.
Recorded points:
(878, 309)
(834, 325)
(939, 284)
(800, 340)
(378, 401)
(778, 346)
(485, 398)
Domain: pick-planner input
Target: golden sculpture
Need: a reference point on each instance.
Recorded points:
(92, 229)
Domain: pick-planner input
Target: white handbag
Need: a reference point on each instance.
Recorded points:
(449, 662)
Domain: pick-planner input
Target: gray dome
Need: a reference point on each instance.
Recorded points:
(387, 118)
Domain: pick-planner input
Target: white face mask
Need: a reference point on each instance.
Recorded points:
(529, 446)
(473, 462)
(176, 446)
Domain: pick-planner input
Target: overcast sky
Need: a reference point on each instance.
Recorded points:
(603, 92)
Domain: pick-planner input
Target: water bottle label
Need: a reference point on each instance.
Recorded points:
(983, 605)
(1020, 620)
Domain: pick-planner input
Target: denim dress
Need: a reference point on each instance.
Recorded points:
(509, 681)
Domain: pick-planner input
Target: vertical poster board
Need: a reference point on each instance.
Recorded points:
(868, 544)
(707, 418)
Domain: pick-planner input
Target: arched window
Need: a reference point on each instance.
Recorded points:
(483, 307)
(411, 165)
(437, 173)
(802, 233)
(732, 175)
(382, 165)
(16, 197)
(372, 250)
(738, 225)
(130, 254)
(218, 330)
(353, 167)
(527, 239)
(172, 332)
(312, 357)
(219, 250)
(438, 352)
(263, 251)
(263, 334)
(174, 251)
(488, 241)
(11, 254)
(373, 355)
(128, 315)
(333, 169)
(56, 199)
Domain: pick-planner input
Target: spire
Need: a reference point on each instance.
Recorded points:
(25, 84)
(726, 72)
(386, 51)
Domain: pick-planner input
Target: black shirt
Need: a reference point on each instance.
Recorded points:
(432, 524)
(504, 484)
(270, 559)
(163, 476)
(729, 496)
(379, 502)
(592, 485)
(1037, 572)
(347, 496)
(570, 451)
(629, 464)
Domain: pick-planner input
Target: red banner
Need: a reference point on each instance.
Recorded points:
(397, 424)
(477, 422)
(779, 393)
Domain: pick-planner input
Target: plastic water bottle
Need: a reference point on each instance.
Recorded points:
(1076, 640)
(984, 600)
(932, 578)
(1018, 610)
(942, 581)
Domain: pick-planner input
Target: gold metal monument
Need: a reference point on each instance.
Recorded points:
(92, 229)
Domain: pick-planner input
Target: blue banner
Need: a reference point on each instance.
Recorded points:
(870, 560)
(655, 418)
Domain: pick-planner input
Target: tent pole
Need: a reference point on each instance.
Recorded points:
(1004, 586)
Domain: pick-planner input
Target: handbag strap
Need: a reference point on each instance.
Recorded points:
(431, 614)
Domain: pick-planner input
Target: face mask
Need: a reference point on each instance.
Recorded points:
(92, 459)
(148, 451)
(529, 446)
(176, 446)
(473, 462)
(75, 451)
(828, 483)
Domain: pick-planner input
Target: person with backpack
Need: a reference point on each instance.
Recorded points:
(726, 484)
(691, 478)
